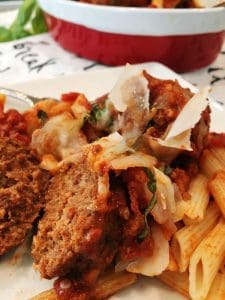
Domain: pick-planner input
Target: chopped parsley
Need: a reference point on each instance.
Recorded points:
(152, 188)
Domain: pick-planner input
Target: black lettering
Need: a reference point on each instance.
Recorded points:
(28, 49)
(5, 69)
(210, 70)
(28, 59)
(216, 79)
(41, 66)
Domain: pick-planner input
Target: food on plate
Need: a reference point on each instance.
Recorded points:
(22, 185)
(136, 188)
(158, 3)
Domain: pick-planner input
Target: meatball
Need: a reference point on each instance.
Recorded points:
(22, 186)
(80, 229)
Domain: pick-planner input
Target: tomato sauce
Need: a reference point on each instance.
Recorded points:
(13, 125)
(71, 289)
(217, 139)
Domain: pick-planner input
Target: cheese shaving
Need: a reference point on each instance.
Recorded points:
(179, 133)
(132, 87)
(190, 114)
(182, 141)
(158, 262)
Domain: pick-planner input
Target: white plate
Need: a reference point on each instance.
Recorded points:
(20, 281)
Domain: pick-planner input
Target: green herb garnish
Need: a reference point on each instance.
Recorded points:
(29, 21)
(100, 117)
(167, 170)
(42, 115)
(152, 188)
(96, 114)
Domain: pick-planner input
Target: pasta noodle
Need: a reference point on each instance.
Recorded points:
(209, 163)
(217, 188)
(206, 260)
(176, 280)
(195, 208)
(106, 286)
(187, 238)
(217, 291)
(219, 153)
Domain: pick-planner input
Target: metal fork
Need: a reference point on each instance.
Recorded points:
(28, 99)
(220, 5)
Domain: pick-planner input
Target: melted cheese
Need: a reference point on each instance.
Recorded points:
(60, 136)
(115, 153)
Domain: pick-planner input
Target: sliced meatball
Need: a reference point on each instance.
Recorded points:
(80, 229)
(22, 186)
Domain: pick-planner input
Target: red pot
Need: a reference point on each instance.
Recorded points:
(183, 39)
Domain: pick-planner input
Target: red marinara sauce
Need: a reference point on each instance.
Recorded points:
(67, 288)
(12, 124)
(216, 139)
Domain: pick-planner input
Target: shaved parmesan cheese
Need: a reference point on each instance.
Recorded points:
(109, 147)
(165, 190)
(181, 141)
(166, 154)
(178, 136)
(132, 87)
(138, 159)
(115, 153)
(158, 262)
(190, 114)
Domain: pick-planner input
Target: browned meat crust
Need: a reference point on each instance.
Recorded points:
(80, 231)
(22, 185)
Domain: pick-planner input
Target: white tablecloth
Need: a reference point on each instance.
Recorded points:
(40, 56)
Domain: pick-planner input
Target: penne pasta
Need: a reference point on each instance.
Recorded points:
(219, 153)
(177, 281)
(217, 188)
(195, 208)
(186, 239)
(217, 290)
(46, 295)
(105, 287)
(206, 260)
(111, 283)
(178, 215)
(172, 266)
(210, 164)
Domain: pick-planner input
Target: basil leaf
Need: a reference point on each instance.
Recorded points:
(24, 14)
(152, 188)
(38, 22)
(5, 34)
(19, 33)
(29, 16)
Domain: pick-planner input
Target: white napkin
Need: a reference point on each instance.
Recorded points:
(37, 57)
